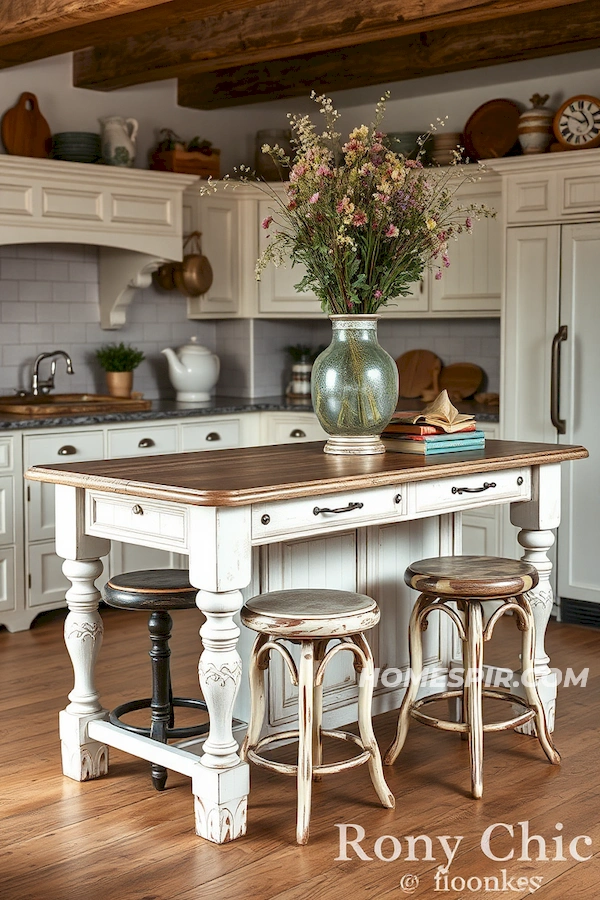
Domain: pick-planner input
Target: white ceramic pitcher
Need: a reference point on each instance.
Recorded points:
(118, 140)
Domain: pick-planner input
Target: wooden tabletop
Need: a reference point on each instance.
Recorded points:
(257, 474)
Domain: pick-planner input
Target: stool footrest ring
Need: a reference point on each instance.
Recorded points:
(463, 727)
(114, 717)
(292, 769)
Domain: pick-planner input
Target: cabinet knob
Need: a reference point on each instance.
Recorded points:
(145, 443)
(137, 510)
(213, 436)
(297, 433)
(67, 450)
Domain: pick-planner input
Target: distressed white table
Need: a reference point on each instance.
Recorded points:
(215, 507)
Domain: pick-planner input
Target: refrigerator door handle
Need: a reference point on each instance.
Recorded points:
(559, 424)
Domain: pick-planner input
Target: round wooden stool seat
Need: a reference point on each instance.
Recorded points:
(312, 618)
(161, 589)
(458, 586)
(157, 591)
(480, 577)
(310, 613)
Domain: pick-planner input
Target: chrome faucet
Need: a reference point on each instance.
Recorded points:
(44, 387)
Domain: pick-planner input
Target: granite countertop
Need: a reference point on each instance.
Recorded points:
(217, 406)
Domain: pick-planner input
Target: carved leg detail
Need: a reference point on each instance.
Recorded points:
(221, 787)
(82, 758)
(536, 545)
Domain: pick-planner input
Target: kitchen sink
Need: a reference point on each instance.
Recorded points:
(68, 405)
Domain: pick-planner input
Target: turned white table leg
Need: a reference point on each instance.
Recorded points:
(221, 786)
(82, 758)
(536, 518)
(536, 545)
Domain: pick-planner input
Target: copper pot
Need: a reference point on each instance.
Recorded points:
(193, 276)
(164, 277)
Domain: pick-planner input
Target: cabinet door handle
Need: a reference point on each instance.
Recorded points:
(341, 509)
(213, 436)
(137, 510)
(560, 424)
(67, 450)
(145, 443)
(297, 433)
(485, 486)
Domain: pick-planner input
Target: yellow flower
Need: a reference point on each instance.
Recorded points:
(431, 224)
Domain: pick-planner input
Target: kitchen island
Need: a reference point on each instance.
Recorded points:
(219, 508)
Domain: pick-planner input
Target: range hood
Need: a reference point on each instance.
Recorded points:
(134, 216)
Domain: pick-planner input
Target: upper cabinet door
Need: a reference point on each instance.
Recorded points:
(217, 218)
(473, 282)
(277, 295)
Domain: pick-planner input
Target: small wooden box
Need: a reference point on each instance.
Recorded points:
(188, 162)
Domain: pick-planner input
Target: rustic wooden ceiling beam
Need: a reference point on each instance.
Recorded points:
(514, 38)
(33, 29)
(276, 30)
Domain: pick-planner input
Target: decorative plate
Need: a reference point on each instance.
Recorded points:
(491, 131)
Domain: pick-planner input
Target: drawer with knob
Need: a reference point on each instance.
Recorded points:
(150, 522)
(326, 513)
(142, 441)
(215, 434)
(465, 491)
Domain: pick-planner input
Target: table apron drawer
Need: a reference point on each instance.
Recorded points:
(141, 441)
(135, 519)
(326, 513)
(467, 491)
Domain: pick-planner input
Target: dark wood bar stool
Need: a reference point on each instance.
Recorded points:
(465, 583)
(158, 591)
(312, 619)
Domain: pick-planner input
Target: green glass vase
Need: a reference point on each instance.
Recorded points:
(354, 387)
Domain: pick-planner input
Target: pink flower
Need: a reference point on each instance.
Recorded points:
(392, 231)
(378, 294)
(314, 198)
(438, 275)
(266, 222)
(324, 170)
(359, 218)
(292, 204)
(469, 222)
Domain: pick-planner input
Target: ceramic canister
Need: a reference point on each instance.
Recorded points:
(535, 126)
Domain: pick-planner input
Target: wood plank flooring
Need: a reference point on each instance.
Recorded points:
(117, 839)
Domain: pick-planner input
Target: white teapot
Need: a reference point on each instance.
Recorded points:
(118, 140)
(193, 371)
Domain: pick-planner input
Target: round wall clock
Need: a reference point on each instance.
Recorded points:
(577, 123)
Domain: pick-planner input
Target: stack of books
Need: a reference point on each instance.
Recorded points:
(439, 428)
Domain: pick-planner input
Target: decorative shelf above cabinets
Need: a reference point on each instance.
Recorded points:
(134, 216)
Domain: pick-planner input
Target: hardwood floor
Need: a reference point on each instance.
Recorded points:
(117, 838)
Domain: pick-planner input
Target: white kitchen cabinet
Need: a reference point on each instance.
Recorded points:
(232, 218)
(482, 527)
(147, 440)
(551, 301)
(11, 521)
(290, 428)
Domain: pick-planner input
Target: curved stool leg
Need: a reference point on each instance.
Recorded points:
(473, 693)
(257, 695)
(306, 673)
(159, 626)
(415, 671)
(529, 683)
(320, 650)
(365, 722)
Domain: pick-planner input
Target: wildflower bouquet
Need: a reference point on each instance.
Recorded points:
(364, 221)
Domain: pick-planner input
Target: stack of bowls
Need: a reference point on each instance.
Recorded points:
(77, 146)
(444, 145)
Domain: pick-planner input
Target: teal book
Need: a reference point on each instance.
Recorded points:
(422, 448)
(431, 439)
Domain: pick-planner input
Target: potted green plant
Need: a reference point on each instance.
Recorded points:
(118, 362)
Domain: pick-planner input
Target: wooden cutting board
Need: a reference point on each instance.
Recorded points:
(25, 131)
(461, 380)
(417, 370)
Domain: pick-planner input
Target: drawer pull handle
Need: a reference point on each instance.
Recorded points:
(265, 519)
(137, 510)
(145, 443)
(486, 485)
(520, 480)
(341, 509)
(398, 498)
(213, 436)
(297, 433)
(67, 450)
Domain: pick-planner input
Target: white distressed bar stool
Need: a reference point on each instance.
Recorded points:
(470, 581)
(312, 618)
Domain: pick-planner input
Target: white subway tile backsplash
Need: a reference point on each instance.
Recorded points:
(18, 269)
(18, 312)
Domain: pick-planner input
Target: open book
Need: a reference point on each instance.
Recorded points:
(440, 414)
